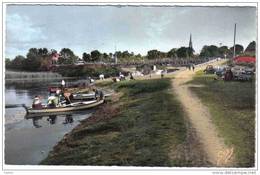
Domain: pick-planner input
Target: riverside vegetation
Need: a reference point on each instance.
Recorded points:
(144, 128)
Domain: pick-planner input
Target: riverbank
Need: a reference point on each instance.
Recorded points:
(146, 127)
(232, 107)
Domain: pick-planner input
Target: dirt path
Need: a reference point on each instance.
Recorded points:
(217, 152)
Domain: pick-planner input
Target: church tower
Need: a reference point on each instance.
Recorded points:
(190, 43)
(190, 48)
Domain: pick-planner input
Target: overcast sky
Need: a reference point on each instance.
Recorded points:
(137, 29)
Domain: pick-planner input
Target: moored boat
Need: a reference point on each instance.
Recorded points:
(80, 96)
(87, 96)
(65, 108)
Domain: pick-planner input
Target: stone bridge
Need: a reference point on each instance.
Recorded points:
(167, 61)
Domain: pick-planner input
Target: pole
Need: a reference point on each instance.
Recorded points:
(234, 52)
(115, 55)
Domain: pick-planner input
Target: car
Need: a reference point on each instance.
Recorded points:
(209, 69)
(244, 76)
(220, 71)
(242, 73)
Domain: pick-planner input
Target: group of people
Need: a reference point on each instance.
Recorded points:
(55, 98)
(191, 67)
(60, 96)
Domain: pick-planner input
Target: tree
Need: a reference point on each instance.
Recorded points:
(251, 47)
(153, 54)
(43, 51)
(162, 54)
(118, 54)
(125, 54)
(95, 55)
(106, 57)
(209, 51)
(239, 49)
(223, 50)
(8, 63)
(172, 53)
(33, 60)
(67, 56)
(86, 57)
(182, 52)
(139, 55)
(18, 62)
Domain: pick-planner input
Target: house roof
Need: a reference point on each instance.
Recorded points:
(244, 59)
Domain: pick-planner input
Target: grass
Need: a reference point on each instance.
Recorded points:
(232, 105)
(148, 125)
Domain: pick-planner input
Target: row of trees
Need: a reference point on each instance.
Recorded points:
(40, 59)
(182, 52)
(224, 51)
(95, 56)
(207, 51)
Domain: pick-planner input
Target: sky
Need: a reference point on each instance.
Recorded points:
(132, 28)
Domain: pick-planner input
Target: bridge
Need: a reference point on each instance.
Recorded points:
(178, 62)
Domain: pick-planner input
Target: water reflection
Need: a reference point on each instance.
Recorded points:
(36, 122)
(27, 136)
(66, 117)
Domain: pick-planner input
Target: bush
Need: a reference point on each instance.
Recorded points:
(79, 71)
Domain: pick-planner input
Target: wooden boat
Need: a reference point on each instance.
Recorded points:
(65, 108)
(83, 96)
(87, 96)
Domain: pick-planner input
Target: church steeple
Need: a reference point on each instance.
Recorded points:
(190, 43)
(190, 48)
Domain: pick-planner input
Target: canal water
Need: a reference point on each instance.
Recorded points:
(25, 143)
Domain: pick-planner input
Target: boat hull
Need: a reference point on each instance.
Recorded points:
(87, 96)
(73, 107)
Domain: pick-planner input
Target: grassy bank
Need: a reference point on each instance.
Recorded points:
(232, 105)
(144, 128)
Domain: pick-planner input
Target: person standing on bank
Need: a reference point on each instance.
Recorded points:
(99, 95)
(62, 85)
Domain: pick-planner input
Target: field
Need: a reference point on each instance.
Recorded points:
(232, 106)
(146, 127)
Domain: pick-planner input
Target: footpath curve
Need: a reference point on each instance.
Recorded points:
(198, 115)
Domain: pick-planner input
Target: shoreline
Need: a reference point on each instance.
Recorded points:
(112, 136)
(38, 79)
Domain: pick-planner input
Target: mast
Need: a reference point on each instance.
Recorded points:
(234, 52)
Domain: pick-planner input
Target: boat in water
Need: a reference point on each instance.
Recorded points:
(87, 96)
(76, 106)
